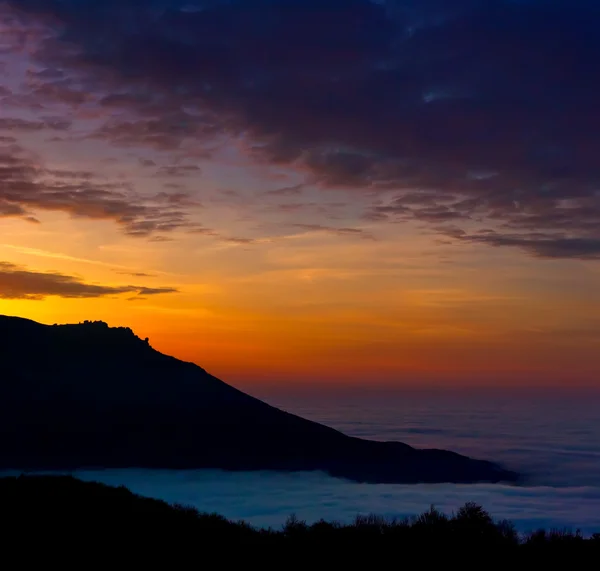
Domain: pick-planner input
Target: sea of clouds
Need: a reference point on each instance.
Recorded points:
(267, 499)
(553, 438)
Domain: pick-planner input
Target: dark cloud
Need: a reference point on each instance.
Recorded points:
(25, 187)
(333, 230)
(8, 209)
(542, 245)
(292, 207)
(399, 209)
(241, 241)
(490, 106)
(155, 290)
(204, 231)
(178, 170)
(222, 238)
(309, 210)
(177, 198)
(137, 274)
(17, 282)
(167, 132)
(286, 190)
(15, 125)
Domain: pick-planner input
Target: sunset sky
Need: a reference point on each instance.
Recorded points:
(310, 191)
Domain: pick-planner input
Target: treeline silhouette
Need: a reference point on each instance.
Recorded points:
(60, 519)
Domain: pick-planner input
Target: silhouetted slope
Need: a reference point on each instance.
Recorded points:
(89, 395)
(47, 521)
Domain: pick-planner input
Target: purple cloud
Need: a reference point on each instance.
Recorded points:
(488, 106)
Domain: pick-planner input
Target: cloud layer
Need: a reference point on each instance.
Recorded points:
(479, 114)
(554, 437)
(27, 186)
(17, 282)
(267, 499)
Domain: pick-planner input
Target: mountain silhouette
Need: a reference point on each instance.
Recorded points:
(88, 395)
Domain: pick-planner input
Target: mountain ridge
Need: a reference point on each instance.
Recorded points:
(89, 395)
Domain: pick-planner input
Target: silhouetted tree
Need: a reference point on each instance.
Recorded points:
(56, 518)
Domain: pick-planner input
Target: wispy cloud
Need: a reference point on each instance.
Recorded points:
(18, 282)
(361, 233)
(25, 187)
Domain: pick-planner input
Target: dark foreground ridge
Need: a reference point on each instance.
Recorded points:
(86, 395)
(62, 520)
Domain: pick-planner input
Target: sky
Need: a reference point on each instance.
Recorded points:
(344, 192)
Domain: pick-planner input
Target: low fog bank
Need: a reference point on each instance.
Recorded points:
(267, 499)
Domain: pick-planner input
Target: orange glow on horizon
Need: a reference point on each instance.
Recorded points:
(349, 324)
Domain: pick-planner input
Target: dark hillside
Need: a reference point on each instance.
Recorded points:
(88, 395)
